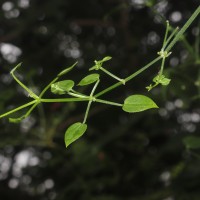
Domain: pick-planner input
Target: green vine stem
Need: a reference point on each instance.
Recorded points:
(128, 78)
(167, 46)
(169, 38)
(90, 101)
(183, 29)
(18, 108)
(77, 95)
(108, 102)
(113, 76)
(162, 66)
(63, 100)
(166, 33)
(47, 87)
(31, 93)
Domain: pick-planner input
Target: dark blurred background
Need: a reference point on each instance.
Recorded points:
(121, 156)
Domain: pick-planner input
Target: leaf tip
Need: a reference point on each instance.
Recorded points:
(67, 69)
(17, 66)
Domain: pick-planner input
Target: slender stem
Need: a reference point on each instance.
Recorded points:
(162, 66)
(108, 89)
(185, 42)
(77, 95)
(74, 91)
(31, 109)
(94, 88)
(18, 108)
(48, 86)
(90, 101)
(87, 111)
(79, 99)
(63, 100)
(121, 81)
(128, 78)
(108, 102)
(112, 75)
(166, 32)
(187, 45)
(183, 29)
(142, 69)
(31, 93)
(170, 37)
(55, 79)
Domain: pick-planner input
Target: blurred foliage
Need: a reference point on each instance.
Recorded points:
(122, 156)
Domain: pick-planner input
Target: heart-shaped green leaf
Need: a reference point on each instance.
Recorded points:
(89, 79)
(74, 132)
(67, 70)
(62, 87)
(138, 103)
(192, 142)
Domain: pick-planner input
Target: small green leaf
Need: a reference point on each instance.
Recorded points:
(161, 79)
(67, 70)
(98, 63)
(89, 79)
(62, 87)
(74, 132)
(106, 58)
(138, 103)
(192, 142)
(165, 81)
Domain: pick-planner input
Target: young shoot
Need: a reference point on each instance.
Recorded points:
(160, 78)
(98, 66)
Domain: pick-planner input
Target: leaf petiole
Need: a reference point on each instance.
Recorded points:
(77, 95)
(112, 75)
(108, 102)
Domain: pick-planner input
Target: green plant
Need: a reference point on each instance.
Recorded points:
(132, 104)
